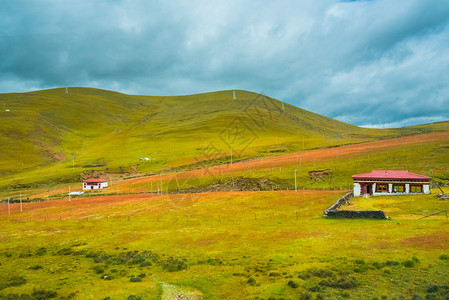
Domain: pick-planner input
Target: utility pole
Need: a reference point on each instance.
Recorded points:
(161, 182)
(296, 189)
(231, 156)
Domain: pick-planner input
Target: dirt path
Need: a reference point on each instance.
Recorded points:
(270, 162)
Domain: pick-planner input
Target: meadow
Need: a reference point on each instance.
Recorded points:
(235, 245)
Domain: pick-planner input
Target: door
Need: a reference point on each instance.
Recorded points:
(369, 189)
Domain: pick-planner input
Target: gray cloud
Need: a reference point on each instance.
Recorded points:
(363, 62)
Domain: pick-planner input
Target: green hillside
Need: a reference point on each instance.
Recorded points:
(51, 137)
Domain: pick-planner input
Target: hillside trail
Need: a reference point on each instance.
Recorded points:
(294, 158)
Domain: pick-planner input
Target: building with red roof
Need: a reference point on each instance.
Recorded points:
(94, 184)
(390, 182)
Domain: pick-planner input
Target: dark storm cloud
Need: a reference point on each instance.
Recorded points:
(363, 62)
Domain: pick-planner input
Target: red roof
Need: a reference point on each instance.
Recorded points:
(390, 174)
(93, 180)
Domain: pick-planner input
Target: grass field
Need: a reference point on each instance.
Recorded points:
(234, 245)
(219, 231)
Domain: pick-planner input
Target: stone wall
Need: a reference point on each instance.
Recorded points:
(356, 214)
(334, 212)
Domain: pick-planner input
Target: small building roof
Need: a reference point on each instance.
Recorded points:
(391, 174)
(94, 180)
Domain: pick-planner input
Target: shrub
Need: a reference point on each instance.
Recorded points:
(65, 251)
(107, 277)
(315, 289)
(415, 260)
(174, 265)
(341, 283)
(142, 275)
(36, 267)
(359, 262)
(43, 294)
(305, 296)
(133, 297)
(135, 279)
(274, 274)
(41, 251)
(417, 297)
(251, 281)
(391, 263)
(304, 275)
(98, 269)
(319, 297)
(16, 281)
(378, 265)
(322, 273)
(292, 284)
(408, 263)
(106, 298)
(432, 289)
(444, 257)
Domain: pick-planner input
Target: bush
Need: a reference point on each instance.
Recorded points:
(135, 279)
(359, 262)
(174, 265)
(315, 289)
(274, 274)
(341, 283)
(41, 251)
(14, 281)
(65, 251)
(391, 263)
(36, 267)
(319, 297)
(292, 284)
(98, 269)
(415, 260)
(432, 289)
(378, 265)
(305, 296)
(107, 277)
(408, 263)
(43, 294)
(322, 273)
(133, 297)
(142, 275)
(444, 257)
(251, 281)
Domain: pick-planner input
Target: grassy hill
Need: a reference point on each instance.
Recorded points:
(49, 137)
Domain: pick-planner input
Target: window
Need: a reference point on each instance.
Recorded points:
(399, 188)
(381, 187)
(415, 189)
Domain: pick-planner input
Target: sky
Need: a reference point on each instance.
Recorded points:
(372, 63)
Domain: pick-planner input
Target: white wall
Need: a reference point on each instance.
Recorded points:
(426, 189)
(357, 189)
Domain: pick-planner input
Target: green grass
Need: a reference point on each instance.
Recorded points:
(224, 240)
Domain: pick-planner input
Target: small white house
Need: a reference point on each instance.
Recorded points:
(94, 184)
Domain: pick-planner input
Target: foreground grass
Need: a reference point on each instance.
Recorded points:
(235, 245)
